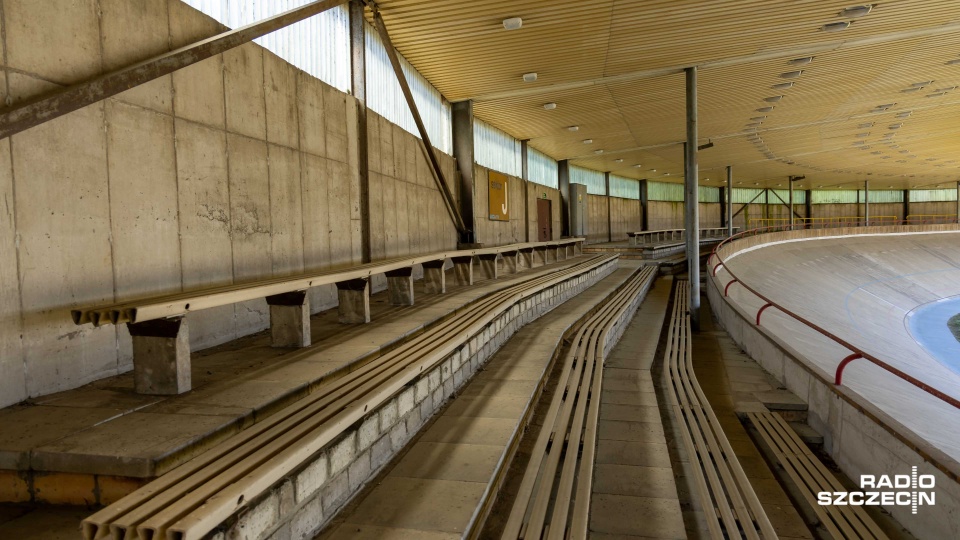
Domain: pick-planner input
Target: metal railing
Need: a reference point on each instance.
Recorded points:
(856, 352)
(931, 218)
(821, 222)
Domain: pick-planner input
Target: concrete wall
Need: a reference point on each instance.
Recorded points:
(597, 223)
(669, 215)
(536, 191)
(237, 168)
(624, 216)
(498, 233)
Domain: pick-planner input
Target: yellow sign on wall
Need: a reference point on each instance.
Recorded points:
(497, 197)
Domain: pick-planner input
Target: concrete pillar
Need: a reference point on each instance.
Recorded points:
(463, 153)
(866, 202)
(489, 265)
(354, 296)
(358, 79)
(434, 278)
(606, 183)
(692, 199)
(290, 319)
(563, 182)
(511, 261)
(463, 269)
(644, 205)
(790, 201)
(400, 286)
(540, 256)
(958, 202)
(809, 207)
(728, 202)
(161, 356)
(525, 176)
(906, 205)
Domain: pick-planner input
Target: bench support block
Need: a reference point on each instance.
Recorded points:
(463, 268)
(511, 262)
(489, 265)
(290, 319)
(161, 356)
(354, 297)
(434, 278)
(400, 285)
(539, 257)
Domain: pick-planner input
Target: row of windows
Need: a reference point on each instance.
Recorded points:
(320, 46)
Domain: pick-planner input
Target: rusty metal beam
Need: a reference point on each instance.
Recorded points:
(46, 107)
(448, 199)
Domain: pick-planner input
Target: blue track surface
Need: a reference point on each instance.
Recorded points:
(928, 326)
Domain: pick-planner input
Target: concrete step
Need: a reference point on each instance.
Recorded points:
(790, 407)
(807, 434)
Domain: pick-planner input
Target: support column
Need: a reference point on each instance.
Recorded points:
(809, 208)
(161, 356)
(463, 269)
(563, 182)
(866, 203)
(434, 278)
(692, 199)
(729, 200)
(606, 183)
(529, 258)
(723, 208)
(463, 153)
(525, 176)
(489, 265)
(400, 286)
(354, 297)
(358, 80)
(906, 205)
(958, 202)
(644, 205)
(790, 201)
(290, 319)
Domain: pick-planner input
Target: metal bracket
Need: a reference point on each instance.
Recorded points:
(843, 363)
(764, 308)
(727, 288)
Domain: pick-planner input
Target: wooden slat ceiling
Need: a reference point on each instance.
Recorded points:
(614, 68)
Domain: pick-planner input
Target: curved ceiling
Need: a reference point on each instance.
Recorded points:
(878, 100)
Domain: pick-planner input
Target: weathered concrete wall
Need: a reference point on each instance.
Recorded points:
(498, 233)
(236, 168)
(597, 224)
(624, 216)
(669, 215)
(948, 208)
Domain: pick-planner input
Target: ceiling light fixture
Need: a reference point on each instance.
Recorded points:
(884, 107)
(937, 94)
(588, 141)
(911, 90)
(598, 151)
(513, 23)
(550, 106)
(637, 166)
(921, 84)
(773, 99)
(758, 118)
(855, 11)
(863, 135)
(573, 128)
(866, 125)
(782, 86)
(765, 109)
(904, 114)
(529, 77)
(618, 160)
(800, 61)
(791, 74)
(836, 26)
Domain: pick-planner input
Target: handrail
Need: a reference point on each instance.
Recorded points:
(856, 351)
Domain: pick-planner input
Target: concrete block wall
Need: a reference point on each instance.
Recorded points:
(236, 168)
(597, 224)
(498, 233)
(624, 216)
(669, 215)
(300, 505)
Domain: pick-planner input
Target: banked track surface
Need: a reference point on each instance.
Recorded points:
(730, 505)
(193, 499)
(553, 500)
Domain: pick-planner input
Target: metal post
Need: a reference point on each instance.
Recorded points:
(906, 205)
(463, 154)
(644, 219)
(958, 201)
(606, 183)
(866, 202)
(808, 203)
(692, 199)
(358, 80)
(791, 203)
(563, 182)
(525, 175)
(729, 201)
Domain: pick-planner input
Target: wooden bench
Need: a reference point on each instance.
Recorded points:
(557, 471)
(161, 344)
(809, 477)
(642, 238)
(193, 499)
(729, 503)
